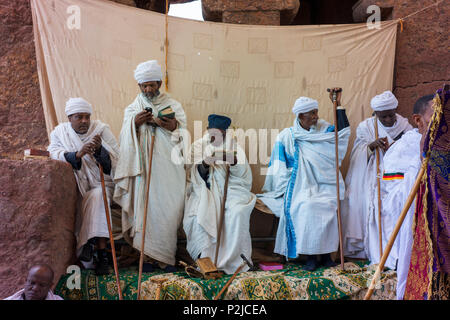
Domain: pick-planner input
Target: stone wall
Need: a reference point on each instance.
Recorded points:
(37, 215)
(22, 123)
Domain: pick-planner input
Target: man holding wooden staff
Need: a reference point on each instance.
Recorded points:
(84, 143)
(360, 208)
(218, 199)
(300, 186)
(147, 119)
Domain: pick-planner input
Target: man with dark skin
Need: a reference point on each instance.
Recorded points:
(85, 143)
(151, 129)
(38, 285)
(388, 119)
(151, 90)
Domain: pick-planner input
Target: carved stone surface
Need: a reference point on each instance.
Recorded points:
(258, 12)
(37, 214)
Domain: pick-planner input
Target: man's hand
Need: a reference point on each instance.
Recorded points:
(338, 95)
(143, 117)
(90, 147)
(229, 160)
(381, 143)
(167, 123)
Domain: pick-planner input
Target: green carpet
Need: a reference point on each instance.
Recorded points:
(291, 283)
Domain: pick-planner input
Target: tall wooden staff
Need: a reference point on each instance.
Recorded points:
(144, 225)
(111, 239)
(334, 99)
(380, 236)
(222, 212)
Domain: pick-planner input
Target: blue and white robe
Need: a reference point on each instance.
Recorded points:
(300, 188)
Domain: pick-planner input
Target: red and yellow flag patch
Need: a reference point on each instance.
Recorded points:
(393, 176)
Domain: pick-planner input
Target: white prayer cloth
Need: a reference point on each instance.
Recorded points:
(167, 181)
(300, 188)
(402, 158)
(19, 296)
(203, 208)
(359, 209)
(148, 71)
(77, 105)
(304, 104)
(384, 101)
(91, 217)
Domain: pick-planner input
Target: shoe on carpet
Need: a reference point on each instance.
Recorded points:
(325, 260)
(102, 265)
(87, 252)
(311, 263)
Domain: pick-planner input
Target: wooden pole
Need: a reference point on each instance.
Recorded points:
(341, 241)
(222, 213)
(111, 238)
(229, 281)
(380, 236)
(144, 225)
(398, 225)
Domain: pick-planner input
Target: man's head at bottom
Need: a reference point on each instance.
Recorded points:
(39, 282)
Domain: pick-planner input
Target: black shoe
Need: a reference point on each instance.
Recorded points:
(311, 263)
(87, 252)
(170, 269)
(325, 260)
(102, 266)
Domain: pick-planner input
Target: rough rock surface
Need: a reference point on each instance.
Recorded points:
(37, 214)
(22, 123)
(258, 12)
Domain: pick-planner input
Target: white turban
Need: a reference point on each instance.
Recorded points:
(384, 101)
(148, 71)
(77, 105)
(304, 104)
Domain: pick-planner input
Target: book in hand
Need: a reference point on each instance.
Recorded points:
(166, 113)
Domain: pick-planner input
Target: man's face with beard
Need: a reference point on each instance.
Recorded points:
(150, 89)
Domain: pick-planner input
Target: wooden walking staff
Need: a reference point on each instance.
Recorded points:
(380, 235)
(144, 224)
(334, 98)
(222, 213)
(398, 225)
(111, 239)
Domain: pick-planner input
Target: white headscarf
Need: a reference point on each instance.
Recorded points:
(77, 105)
(148, 71)
(304, 104)
(384, 101)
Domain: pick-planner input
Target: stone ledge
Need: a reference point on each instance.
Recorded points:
(37, 214)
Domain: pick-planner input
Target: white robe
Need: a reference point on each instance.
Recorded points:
(203, 206)
(167, 185)
(403, 158)
(18, 296)
(359, 209)
(91, 217)
(300, 187)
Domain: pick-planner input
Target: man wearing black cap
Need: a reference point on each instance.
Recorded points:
(213, 155)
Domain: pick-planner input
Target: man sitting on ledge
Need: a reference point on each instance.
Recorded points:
(84, 143)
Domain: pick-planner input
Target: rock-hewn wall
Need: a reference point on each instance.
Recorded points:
(22, 123)
(37, 219)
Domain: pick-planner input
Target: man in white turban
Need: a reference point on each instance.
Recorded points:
(146, 118)
(83, 143)
(300, 186)
(359, 210)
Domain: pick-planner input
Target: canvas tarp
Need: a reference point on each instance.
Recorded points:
(252, 74)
